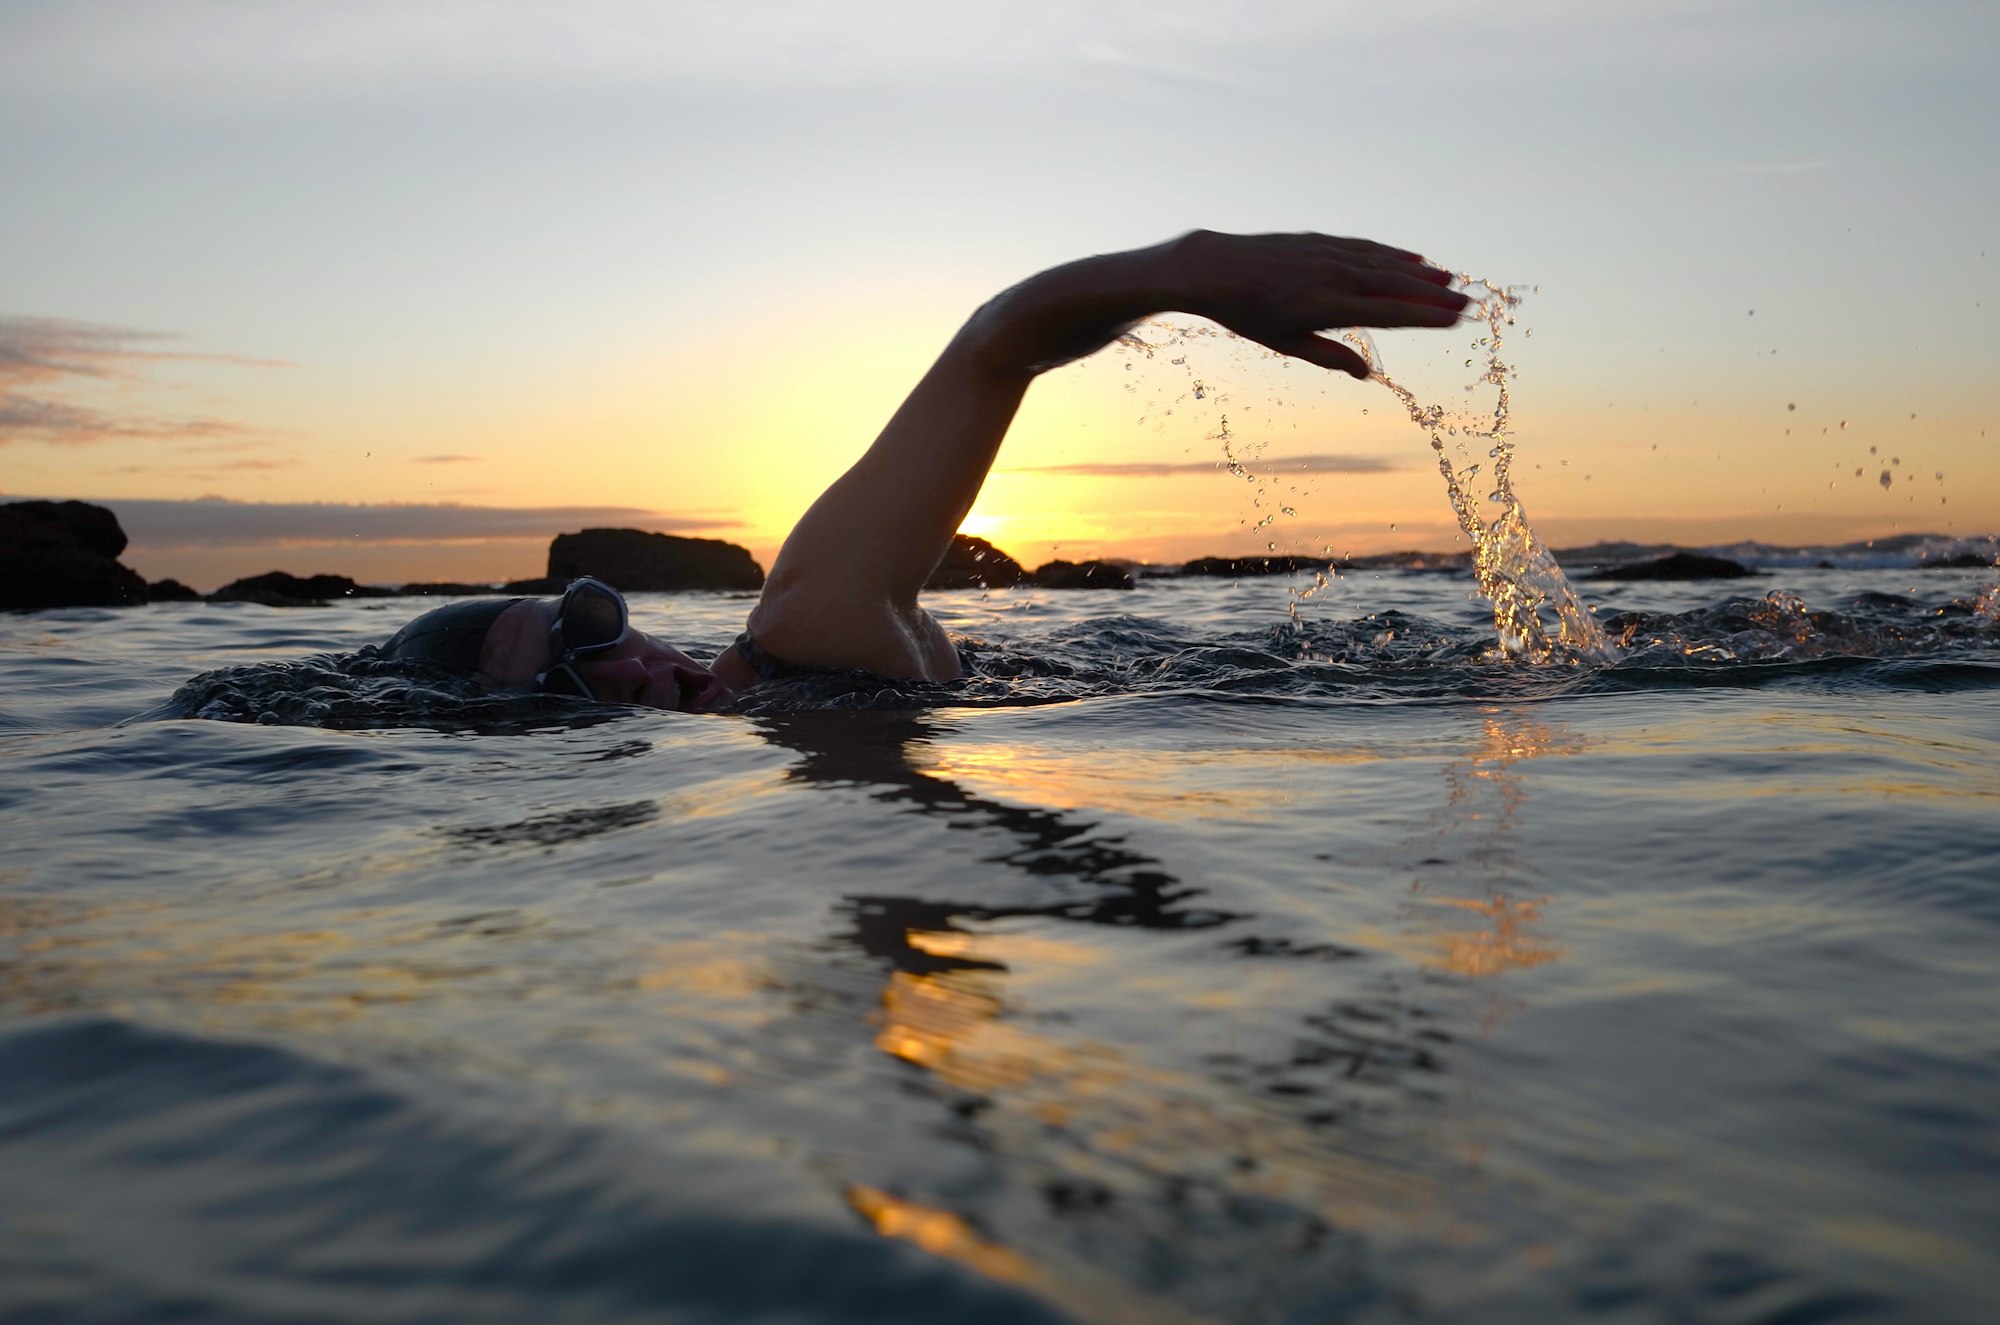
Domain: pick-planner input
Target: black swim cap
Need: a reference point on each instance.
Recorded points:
(450, 636)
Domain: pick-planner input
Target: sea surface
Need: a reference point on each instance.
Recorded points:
(1187, 962)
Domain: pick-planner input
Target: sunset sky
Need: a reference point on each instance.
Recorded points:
(399, 290)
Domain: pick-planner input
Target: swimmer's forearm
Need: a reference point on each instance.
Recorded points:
(1070, 311)
(1278, 290)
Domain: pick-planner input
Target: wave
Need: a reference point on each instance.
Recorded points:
(1903, 551)
(158, 1175)
(1384, 656)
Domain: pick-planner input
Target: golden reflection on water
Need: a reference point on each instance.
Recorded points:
(939, 1232)
(143, 955)
(959, 1027)
(1128, 782)
(1084, 1294)
(1506, 942)
(1478, 838)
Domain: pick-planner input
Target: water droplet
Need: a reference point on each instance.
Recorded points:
(1885, 480)
(1392, 525)
(1793, 405)
(1843, 423)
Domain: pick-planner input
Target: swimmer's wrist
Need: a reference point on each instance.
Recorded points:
(1071, 311)
(1188, 275)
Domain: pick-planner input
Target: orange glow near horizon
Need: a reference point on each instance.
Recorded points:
(699, 428)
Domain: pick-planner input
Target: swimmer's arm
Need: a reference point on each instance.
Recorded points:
(844, 588)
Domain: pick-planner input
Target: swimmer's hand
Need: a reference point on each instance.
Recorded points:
(1278, 290)
(1282, 290)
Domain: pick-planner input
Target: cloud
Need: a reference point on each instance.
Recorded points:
(219, 522)
(56, 355)
(1322, 463)
(444, 459)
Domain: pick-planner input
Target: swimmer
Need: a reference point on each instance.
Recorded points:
(842, 595)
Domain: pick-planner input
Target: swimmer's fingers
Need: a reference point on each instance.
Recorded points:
(1364, 311)
(1322, 352)
(1404, 284)
(1368, 251)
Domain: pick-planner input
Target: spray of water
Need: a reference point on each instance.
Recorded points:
(1536, 616)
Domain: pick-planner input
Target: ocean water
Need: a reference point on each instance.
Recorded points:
(1186, 963)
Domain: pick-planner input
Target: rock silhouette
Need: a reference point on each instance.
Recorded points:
(1678, 566)
(1082, 575)
(1235, 567)
(637, 562)
(974, 563)
(281, 589)
(64, 554)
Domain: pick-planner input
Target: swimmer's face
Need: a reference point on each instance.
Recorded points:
(637, 670)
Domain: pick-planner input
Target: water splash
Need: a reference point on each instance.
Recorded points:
(1536, 616)
(1988, 602)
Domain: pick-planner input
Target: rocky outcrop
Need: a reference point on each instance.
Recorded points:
(974, 563)
(637, 562)
(63, 554)
(280, 589)
(1082, 575)
(1443, 562)
(1679, 566)
(171, 591)
(1232, 568)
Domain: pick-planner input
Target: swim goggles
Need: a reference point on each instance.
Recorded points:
(590, 618)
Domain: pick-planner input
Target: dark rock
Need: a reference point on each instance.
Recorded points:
(447, 589)
(63, 554)
(1599, 556)
(1236, 567)
(541, 586)
(974, 563)
(1409, 561)
(171, 591)
(1679, 566)
(1082, 575)
(636, 561)
(1960, 561)
(280, 589)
